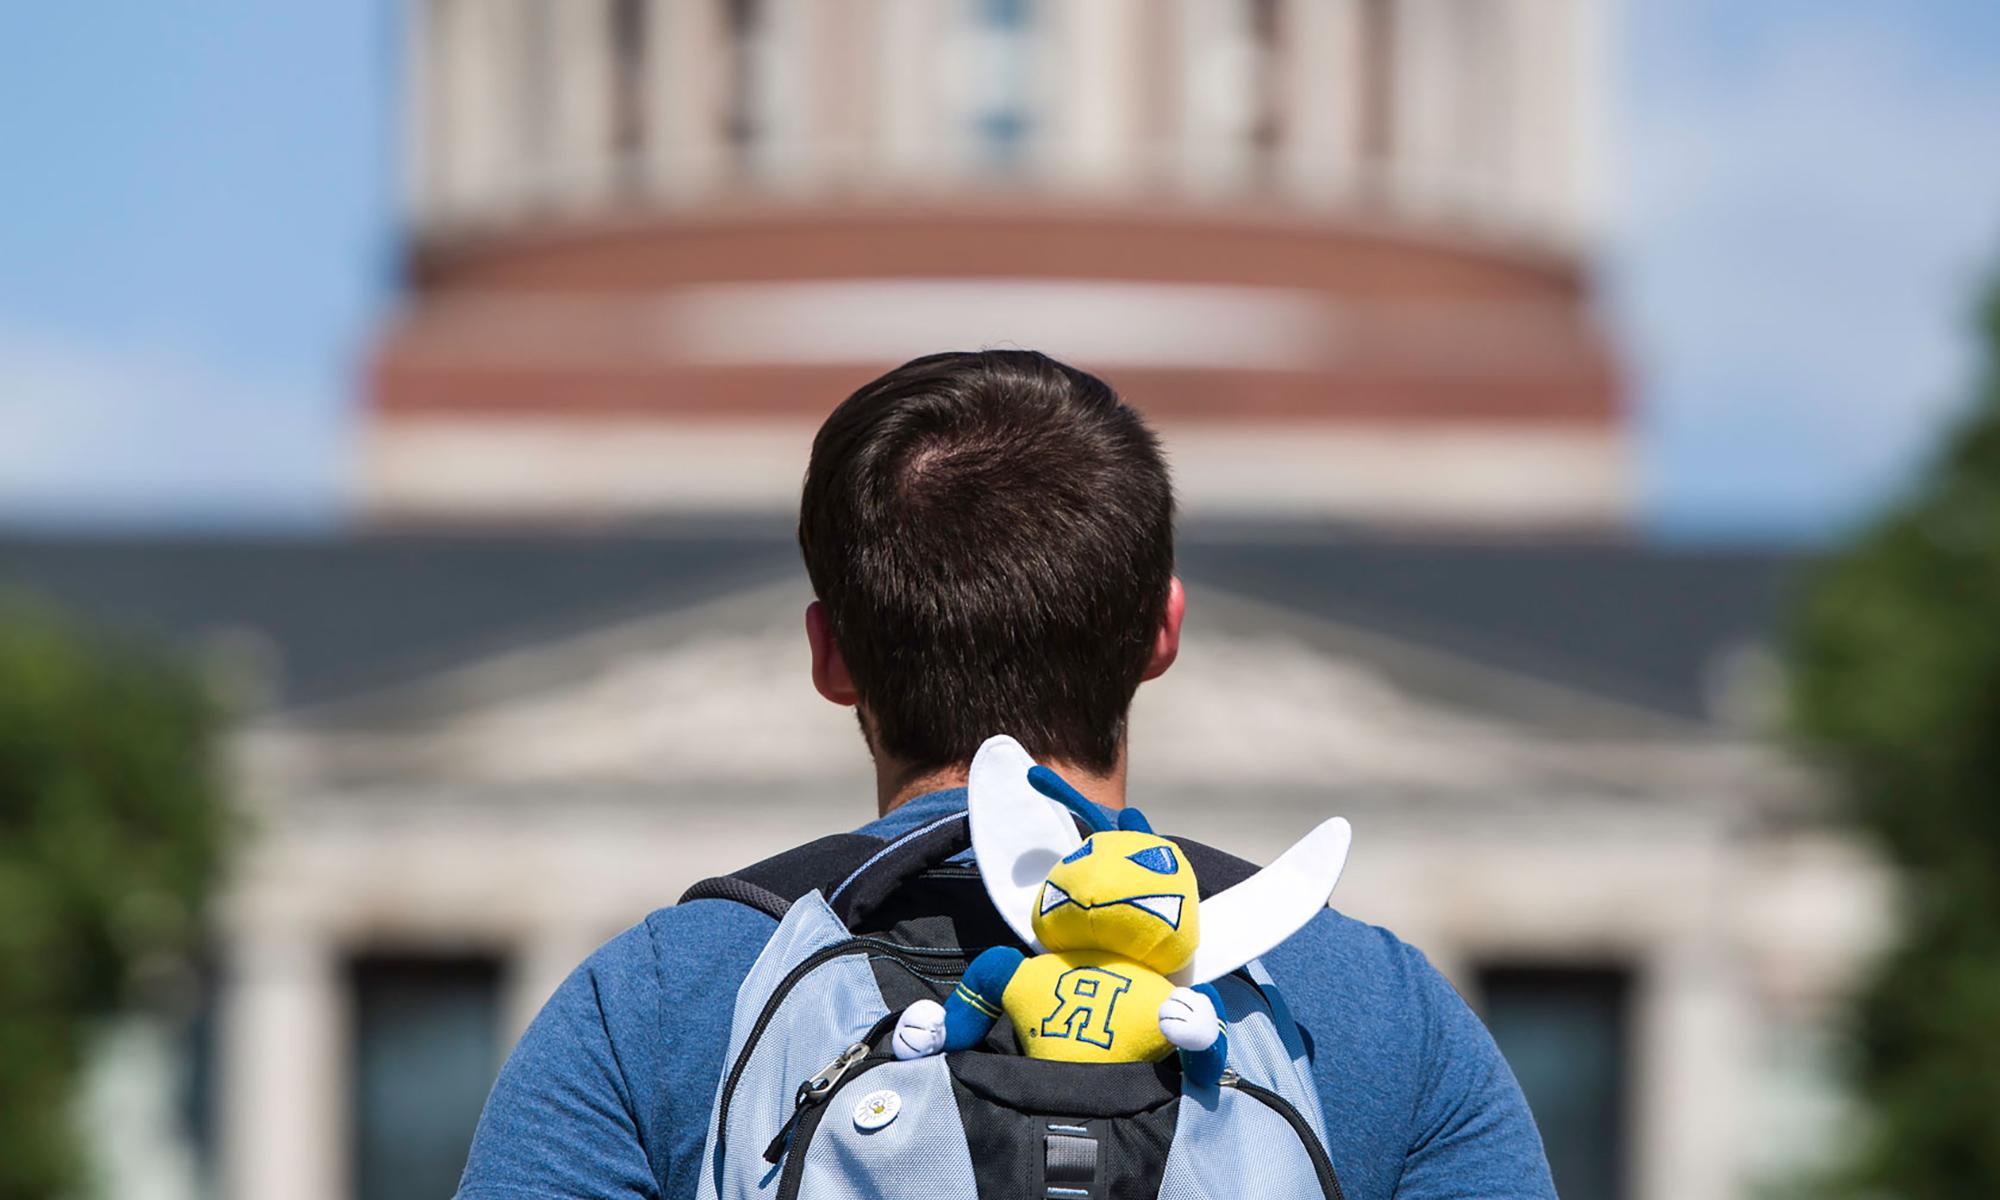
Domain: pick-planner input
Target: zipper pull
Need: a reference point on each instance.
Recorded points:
(810, 1094)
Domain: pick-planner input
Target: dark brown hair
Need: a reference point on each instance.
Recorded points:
(991, 535)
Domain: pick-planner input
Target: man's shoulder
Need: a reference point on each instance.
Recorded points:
(1440, 1112)
(1369, 982)
(683, 959)
(698, 952)
(597, 1085)
(685, 944)
(1336, 943)
(1332, 950)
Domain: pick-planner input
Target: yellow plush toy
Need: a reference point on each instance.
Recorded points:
(1125, 947)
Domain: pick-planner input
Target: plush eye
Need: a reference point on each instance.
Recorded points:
(1157, 859)
(1077, 853)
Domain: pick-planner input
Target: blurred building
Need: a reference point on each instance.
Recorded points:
(481, 755)
(1338, 249)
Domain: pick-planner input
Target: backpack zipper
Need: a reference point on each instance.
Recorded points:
(1329, 1183)
(791, 980)
(812, 1093)
(808, 1122)
(815, 1102)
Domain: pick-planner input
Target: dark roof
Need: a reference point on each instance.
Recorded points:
(1643, 624)
(349, 612)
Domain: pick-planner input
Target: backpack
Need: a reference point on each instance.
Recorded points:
(812, 1104)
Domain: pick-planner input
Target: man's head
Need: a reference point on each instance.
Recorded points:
(990, 536)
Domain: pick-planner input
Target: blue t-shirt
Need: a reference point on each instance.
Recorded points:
(608, 1093)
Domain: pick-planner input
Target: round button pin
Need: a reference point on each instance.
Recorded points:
(877, 1109)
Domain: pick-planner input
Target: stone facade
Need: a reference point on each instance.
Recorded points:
(531, 804)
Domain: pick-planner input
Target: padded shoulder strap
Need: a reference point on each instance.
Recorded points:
(856, 872)
(1214, 869)
(772, 885)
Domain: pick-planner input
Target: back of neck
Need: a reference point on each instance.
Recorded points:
(897, 785)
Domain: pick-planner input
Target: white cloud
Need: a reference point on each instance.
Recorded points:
(1800, 239)
(148, 437)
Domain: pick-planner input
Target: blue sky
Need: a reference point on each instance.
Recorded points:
(199, 238)
(198, 203)
(1807, 202)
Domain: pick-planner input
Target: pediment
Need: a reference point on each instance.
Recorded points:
(717, 699)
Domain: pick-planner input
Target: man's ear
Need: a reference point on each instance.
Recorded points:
(829, 669)
(1167, 640)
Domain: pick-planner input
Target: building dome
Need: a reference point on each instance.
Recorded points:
(1336, 249)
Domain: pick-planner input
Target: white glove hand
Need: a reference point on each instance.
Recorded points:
(1187, 1018)
(919, 1031)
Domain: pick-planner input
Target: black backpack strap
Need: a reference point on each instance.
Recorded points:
(857, 872)
(896, 863)
(728, 887)
(871, 882)
(772, 885)
(1213, 868)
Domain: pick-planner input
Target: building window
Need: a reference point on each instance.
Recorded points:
(745, 24)
(532, 72)
(1267, 121)
(628, 85)
(197, 1107)
(1478, 53)
(1002, 73)
(1377, 107)
(426, 1045)
(1566, 1033)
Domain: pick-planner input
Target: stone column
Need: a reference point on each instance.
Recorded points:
(1218, 97)
(688, 58)
(1528, 51)
(1426, 94)
(283, 1078)
(909, 88)
(1095, 89)
(578, 93)
(954, 125)
(1582, 160)
(783, 76)
(422, 132)
(1692, 1070)
(1162, 86)
(481, 129)
(841, 45)
(1321, 40)
(449, 29)
(1552, 107)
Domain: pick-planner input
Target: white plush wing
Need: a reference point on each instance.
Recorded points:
(1018, 834)
(1242, 922)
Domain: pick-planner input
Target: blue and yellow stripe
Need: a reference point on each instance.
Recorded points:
(976, 1000)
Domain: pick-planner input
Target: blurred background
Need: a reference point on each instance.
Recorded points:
(407, 400)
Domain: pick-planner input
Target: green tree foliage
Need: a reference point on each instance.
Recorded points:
(112, 828)
(1897, 678)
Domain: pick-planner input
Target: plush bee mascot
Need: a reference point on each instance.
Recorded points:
(1124, 948)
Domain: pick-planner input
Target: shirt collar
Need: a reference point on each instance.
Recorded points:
(920, 810)
(924, 809)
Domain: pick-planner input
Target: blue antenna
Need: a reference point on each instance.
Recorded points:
(1056, 788)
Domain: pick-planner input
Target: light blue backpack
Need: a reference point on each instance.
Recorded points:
(812, 1103)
